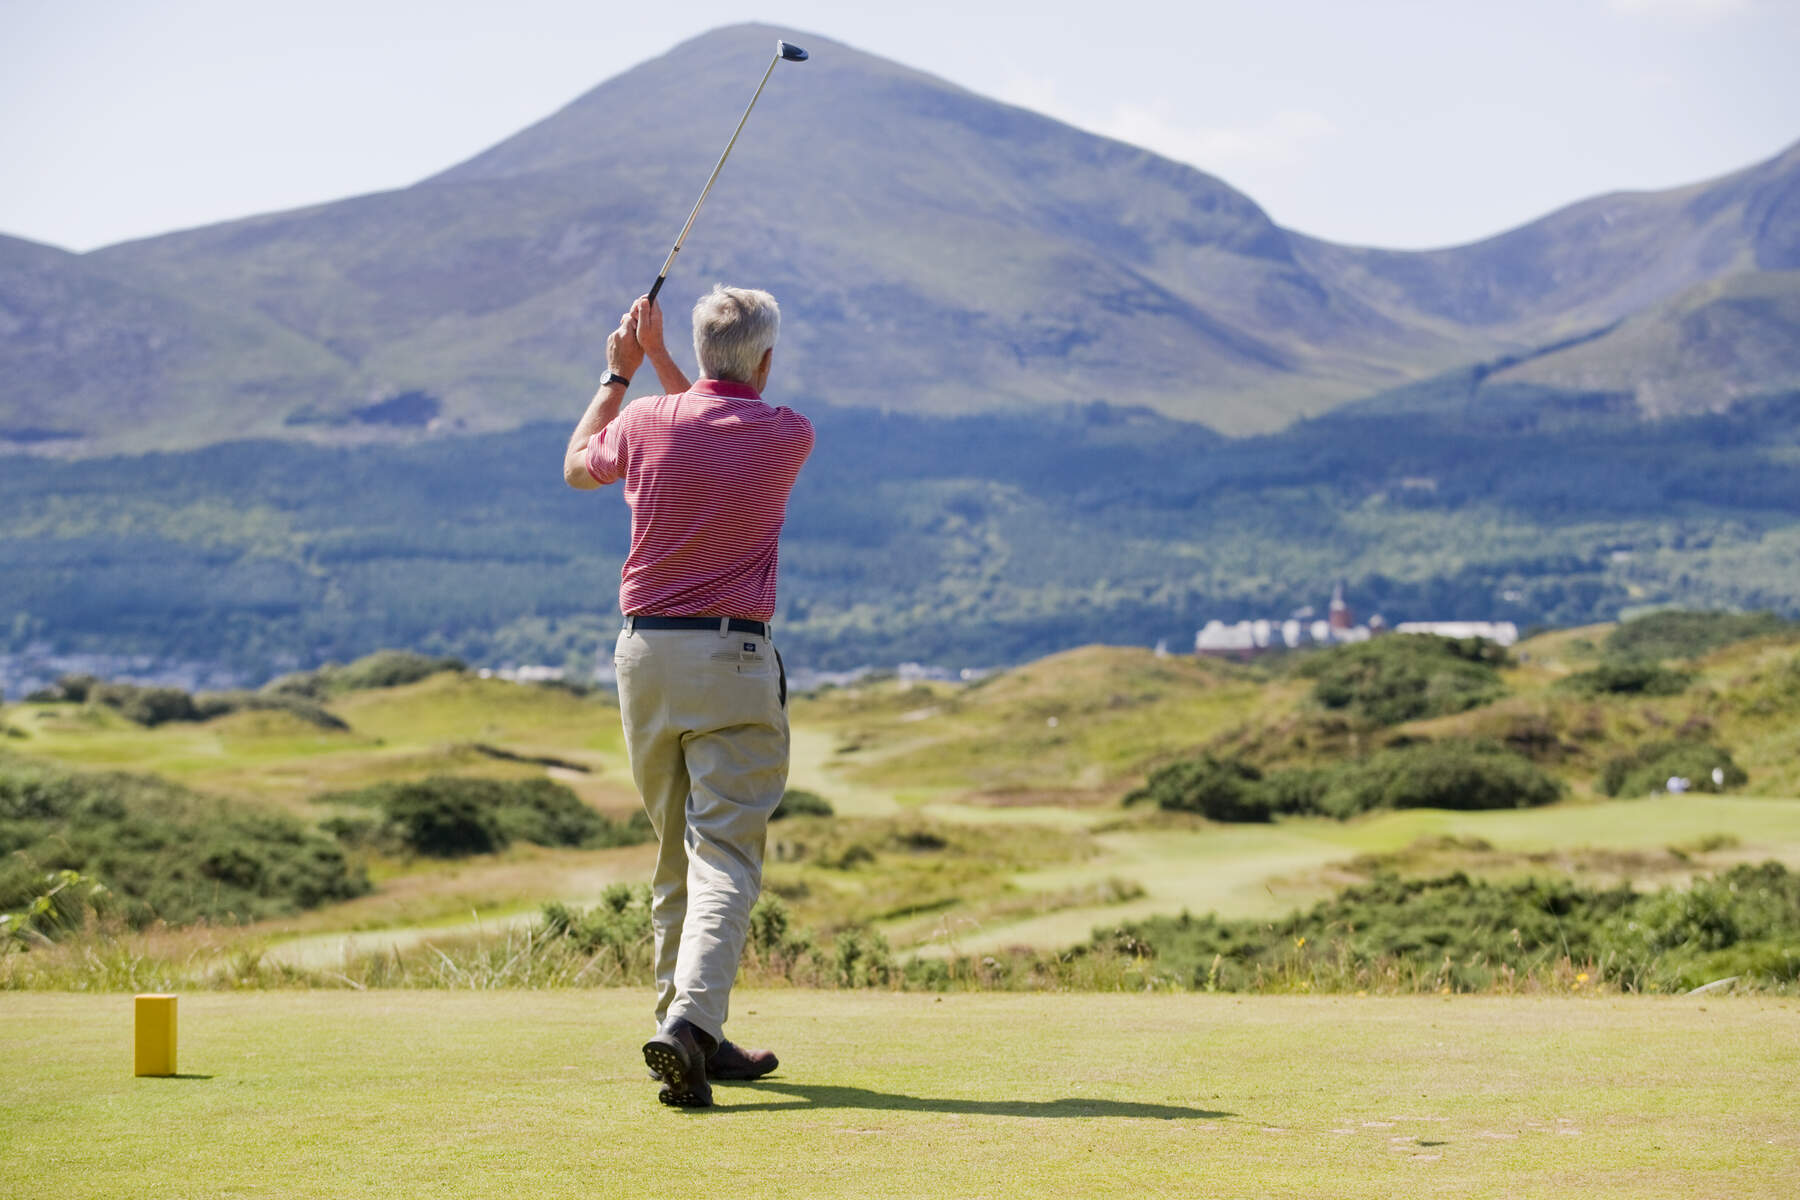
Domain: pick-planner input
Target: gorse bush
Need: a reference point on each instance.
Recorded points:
(616, 930)
(1404, 677)
(1453, 773)
(1690, 634)
(447, 816)
(861, 957)
(163, 852)
(208, 705)
(1469, 934)
(797, 802)
(1627, 679)
(152, 706)
(1649, 767)
(70, 902)
(382, 669)
(1222, 789)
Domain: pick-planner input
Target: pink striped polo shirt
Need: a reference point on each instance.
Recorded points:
(707, 475)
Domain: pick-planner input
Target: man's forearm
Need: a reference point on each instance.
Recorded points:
(601, 411)
(669, 375)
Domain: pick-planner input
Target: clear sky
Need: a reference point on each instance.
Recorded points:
(1403, 123)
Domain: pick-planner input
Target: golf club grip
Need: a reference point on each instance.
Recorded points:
(656, 287)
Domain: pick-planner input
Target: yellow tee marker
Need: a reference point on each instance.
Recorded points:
(155, 1035)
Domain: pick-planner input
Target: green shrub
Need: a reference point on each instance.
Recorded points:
(382, 669)
(152, 706)
(1470, 934)
(1649, 767)
(68, 903)
(774, 942)
(163, 851)
(1627, 679)
(149, 706)
(447, 816)
(616, 930)
(1221, 789)
(208, 705)
(65, 689)
(1453, 773)
(797, 802)
(1745, 922)
(1404, 677)
(1676, 634)
(1297, 789)
(862, 958)
(73, 688)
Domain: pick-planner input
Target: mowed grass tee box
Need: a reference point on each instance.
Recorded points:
(404, 1094)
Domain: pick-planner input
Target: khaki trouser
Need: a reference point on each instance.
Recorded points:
(707, 731)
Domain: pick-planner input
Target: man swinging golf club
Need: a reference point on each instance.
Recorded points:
(702, 693)
(707, 470)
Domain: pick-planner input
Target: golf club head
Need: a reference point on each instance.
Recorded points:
(790, 51)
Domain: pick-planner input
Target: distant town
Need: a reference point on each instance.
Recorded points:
(39, 666)
(1246, 639)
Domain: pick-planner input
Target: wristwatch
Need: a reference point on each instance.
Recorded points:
(613, 377)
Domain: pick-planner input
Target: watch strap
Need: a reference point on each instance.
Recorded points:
(613, 377)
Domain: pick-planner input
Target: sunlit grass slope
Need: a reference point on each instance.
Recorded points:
(1077, 727)
(438, 725)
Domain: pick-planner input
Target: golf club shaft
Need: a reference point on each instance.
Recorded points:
(670, 261)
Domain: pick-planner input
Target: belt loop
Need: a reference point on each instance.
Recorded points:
(630, 625)
(724, 626)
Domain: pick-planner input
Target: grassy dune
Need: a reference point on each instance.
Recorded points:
(433, 726)
(404, 1094)
(1020, 777)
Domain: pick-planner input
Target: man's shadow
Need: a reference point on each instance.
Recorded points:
(808, 1096)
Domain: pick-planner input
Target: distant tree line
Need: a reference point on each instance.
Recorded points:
(1109, 525)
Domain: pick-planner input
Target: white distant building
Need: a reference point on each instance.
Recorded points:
(1501, 633)
(1244, 639)
(1216, 637)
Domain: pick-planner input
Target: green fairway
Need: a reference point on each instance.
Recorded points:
(399, 1094)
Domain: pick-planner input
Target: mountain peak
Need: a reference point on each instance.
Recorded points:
(936, 252)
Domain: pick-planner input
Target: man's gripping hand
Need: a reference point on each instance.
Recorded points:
(647, 323)
(624, 352)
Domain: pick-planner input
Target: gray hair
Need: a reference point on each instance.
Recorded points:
(733, 328)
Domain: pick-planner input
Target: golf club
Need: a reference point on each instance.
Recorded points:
(782, 50)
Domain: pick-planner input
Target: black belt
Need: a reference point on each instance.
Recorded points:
(730, 624)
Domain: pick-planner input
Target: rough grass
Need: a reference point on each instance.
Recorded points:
(543, 1094)
(1083, 719)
